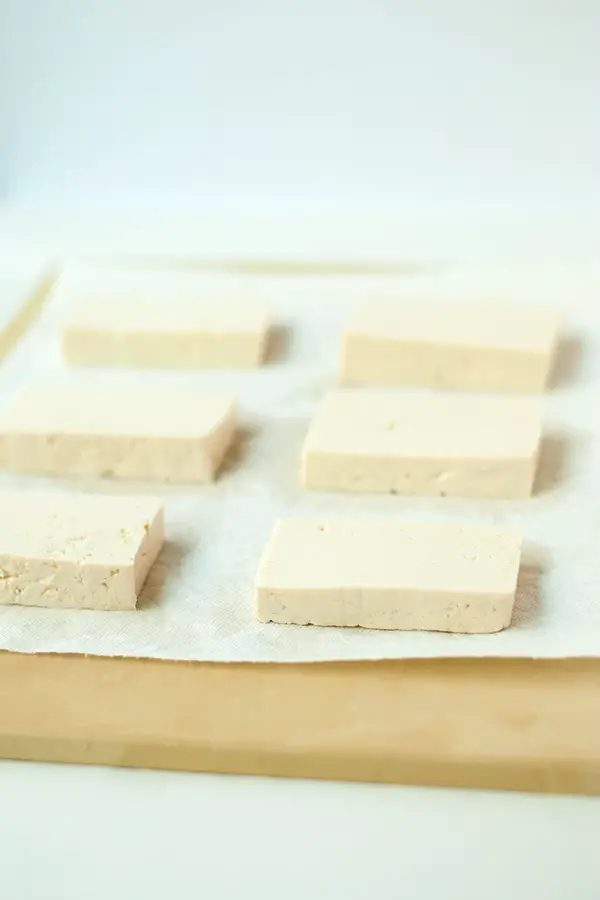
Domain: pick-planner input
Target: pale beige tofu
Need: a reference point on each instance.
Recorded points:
(464, 347)
(80, 551)
(429, 444)
(389, 575)
(113, 432)
(196, 328)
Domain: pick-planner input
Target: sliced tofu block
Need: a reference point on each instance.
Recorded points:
(141, 320)
(455, 445)
(171, 436)
(78, 551)
(458, 578)
(477, 347)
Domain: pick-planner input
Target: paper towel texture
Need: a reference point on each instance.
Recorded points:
(198, 600)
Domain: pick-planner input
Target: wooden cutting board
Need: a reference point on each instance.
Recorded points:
(508, 724)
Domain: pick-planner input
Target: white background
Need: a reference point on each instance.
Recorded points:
(102, 834)
(450, 109)
(340, 104)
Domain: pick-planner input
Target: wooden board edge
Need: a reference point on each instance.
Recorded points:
(496, 724)
(27, 313)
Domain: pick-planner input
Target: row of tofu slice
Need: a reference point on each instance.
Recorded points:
(360, 440)
(443, 345)
(375, 574)
(95, 551)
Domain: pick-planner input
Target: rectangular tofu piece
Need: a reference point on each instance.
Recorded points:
(77, 552)
(157, 320)
(114, 432)
(389, 575)
(478, 347)
(440, 445)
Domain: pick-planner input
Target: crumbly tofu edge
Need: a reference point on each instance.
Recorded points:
(149, 549)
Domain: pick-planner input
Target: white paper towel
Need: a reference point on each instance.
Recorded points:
(197, 603)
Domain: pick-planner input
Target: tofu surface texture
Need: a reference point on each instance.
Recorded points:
(428, 444)
(389, 575)
(80, 551)
(136, 320)
(456, 346)
(114, 432)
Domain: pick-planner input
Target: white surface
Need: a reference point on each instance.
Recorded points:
(198, 600)
(352, 238)
(409, 106)
(92, 834)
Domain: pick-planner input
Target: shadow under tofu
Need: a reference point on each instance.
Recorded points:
(567, 361)
(286, 267)
(528, 595)
(552, 463)
(237, 452)
(166, 567)
(279, 341)
(288, 435)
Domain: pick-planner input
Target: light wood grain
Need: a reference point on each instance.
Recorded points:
(511, 724)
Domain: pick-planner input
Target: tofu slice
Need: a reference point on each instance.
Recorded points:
(478, 347)
(389, 575)
(442, 445)
(161, 320)
(106, 431)
(78, 551)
